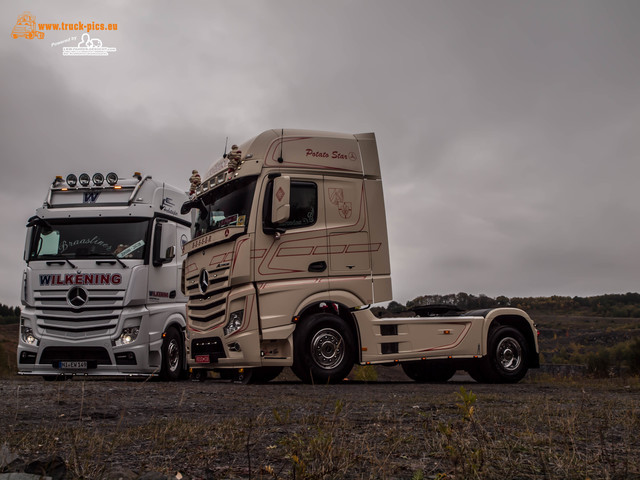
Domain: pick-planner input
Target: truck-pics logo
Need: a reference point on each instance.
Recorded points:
(80, 279)
(26, 27)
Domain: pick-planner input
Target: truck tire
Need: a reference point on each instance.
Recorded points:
(508, 357)
(428, 371)
(323, 349)
(172, 356)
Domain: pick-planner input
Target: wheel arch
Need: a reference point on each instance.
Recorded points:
(524, 326)
(177, 321)
(338, 305)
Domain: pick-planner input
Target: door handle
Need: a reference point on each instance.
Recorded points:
(317, 267)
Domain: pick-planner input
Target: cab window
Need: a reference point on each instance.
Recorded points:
(304, 205)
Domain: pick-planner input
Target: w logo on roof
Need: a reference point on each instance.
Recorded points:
(90, 197)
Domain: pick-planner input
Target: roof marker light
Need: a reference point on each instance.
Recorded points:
(72, 180)
(112, 178)
(84, 179)
(98, 179)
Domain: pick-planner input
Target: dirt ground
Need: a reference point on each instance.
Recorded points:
(391, 428)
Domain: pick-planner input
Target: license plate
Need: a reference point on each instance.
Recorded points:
(202, 359)
(74, 365)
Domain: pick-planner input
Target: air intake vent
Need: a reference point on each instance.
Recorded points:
(388, 348)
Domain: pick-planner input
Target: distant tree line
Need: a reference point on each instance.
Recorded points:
(9, 314)
(612, 305)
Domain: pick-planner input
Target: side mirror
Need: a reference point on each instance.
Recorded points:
(281, 200)
(191, 204)
(164, 240)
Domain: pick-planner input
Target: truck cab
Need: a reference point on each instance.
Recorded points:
(101, 288)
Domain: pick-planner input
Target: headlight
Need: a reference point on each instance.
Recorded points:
(26, 333)
(128, 336)
(235, 322)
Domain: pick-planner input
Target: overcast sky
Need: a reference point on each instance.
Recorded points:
(508, 131)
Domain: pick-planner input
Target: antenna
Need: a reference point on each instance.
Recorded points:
(225, 147)
(280, 159)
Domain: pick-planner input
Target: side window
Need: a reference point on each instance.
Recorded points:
(304, 205)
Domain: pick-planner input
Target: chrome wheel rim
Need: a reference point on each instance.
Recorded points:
(173, 355)
(327, 348)
(509, 354)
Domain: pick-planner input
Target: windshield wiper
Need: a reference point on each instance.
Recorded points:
(51, 255)
(115, 257)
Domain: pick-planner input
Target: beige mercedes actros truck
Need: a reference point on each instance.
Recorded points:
(288, 251)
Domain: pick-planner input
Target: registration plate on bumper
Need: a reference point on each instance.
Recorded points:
(73, 365)
(202, 359)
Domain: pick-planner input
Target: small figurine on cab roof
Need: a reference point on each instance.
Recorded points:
(234, 157)
(195, 180)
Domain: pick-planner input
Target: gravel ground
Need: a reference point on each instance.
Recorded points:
(540, 428)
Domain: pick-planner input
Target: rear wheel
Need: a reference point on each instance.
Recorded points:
(324, 349)
(428, 371)
(172, 355)
(508, 357)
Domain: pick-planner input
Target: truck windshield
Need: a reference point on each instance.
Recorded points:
(225, 206)
(90, 238)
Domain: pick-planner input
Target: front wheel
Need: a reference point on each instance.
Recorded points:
(324, 349)
(172, 356)
(508, 356)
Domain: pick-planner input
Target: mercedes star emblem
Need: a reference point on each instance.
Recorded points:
(204, 280)
(77, 296)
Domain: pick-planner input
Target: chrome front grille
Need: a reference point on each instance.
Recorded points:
(97, 315)
(208, 308)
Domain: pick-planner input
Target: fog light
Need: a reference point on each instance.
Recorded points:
(128, 336)
(235, 322)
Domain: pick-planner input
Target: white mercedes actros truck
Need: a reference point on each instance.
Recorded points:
(101, 288)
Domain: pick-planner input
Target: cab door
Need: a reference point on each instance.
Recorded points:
(290, 259)
(163, 276)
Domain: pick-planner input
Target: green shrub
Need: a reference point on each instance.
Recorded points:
(599, 363)
(632, 357)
